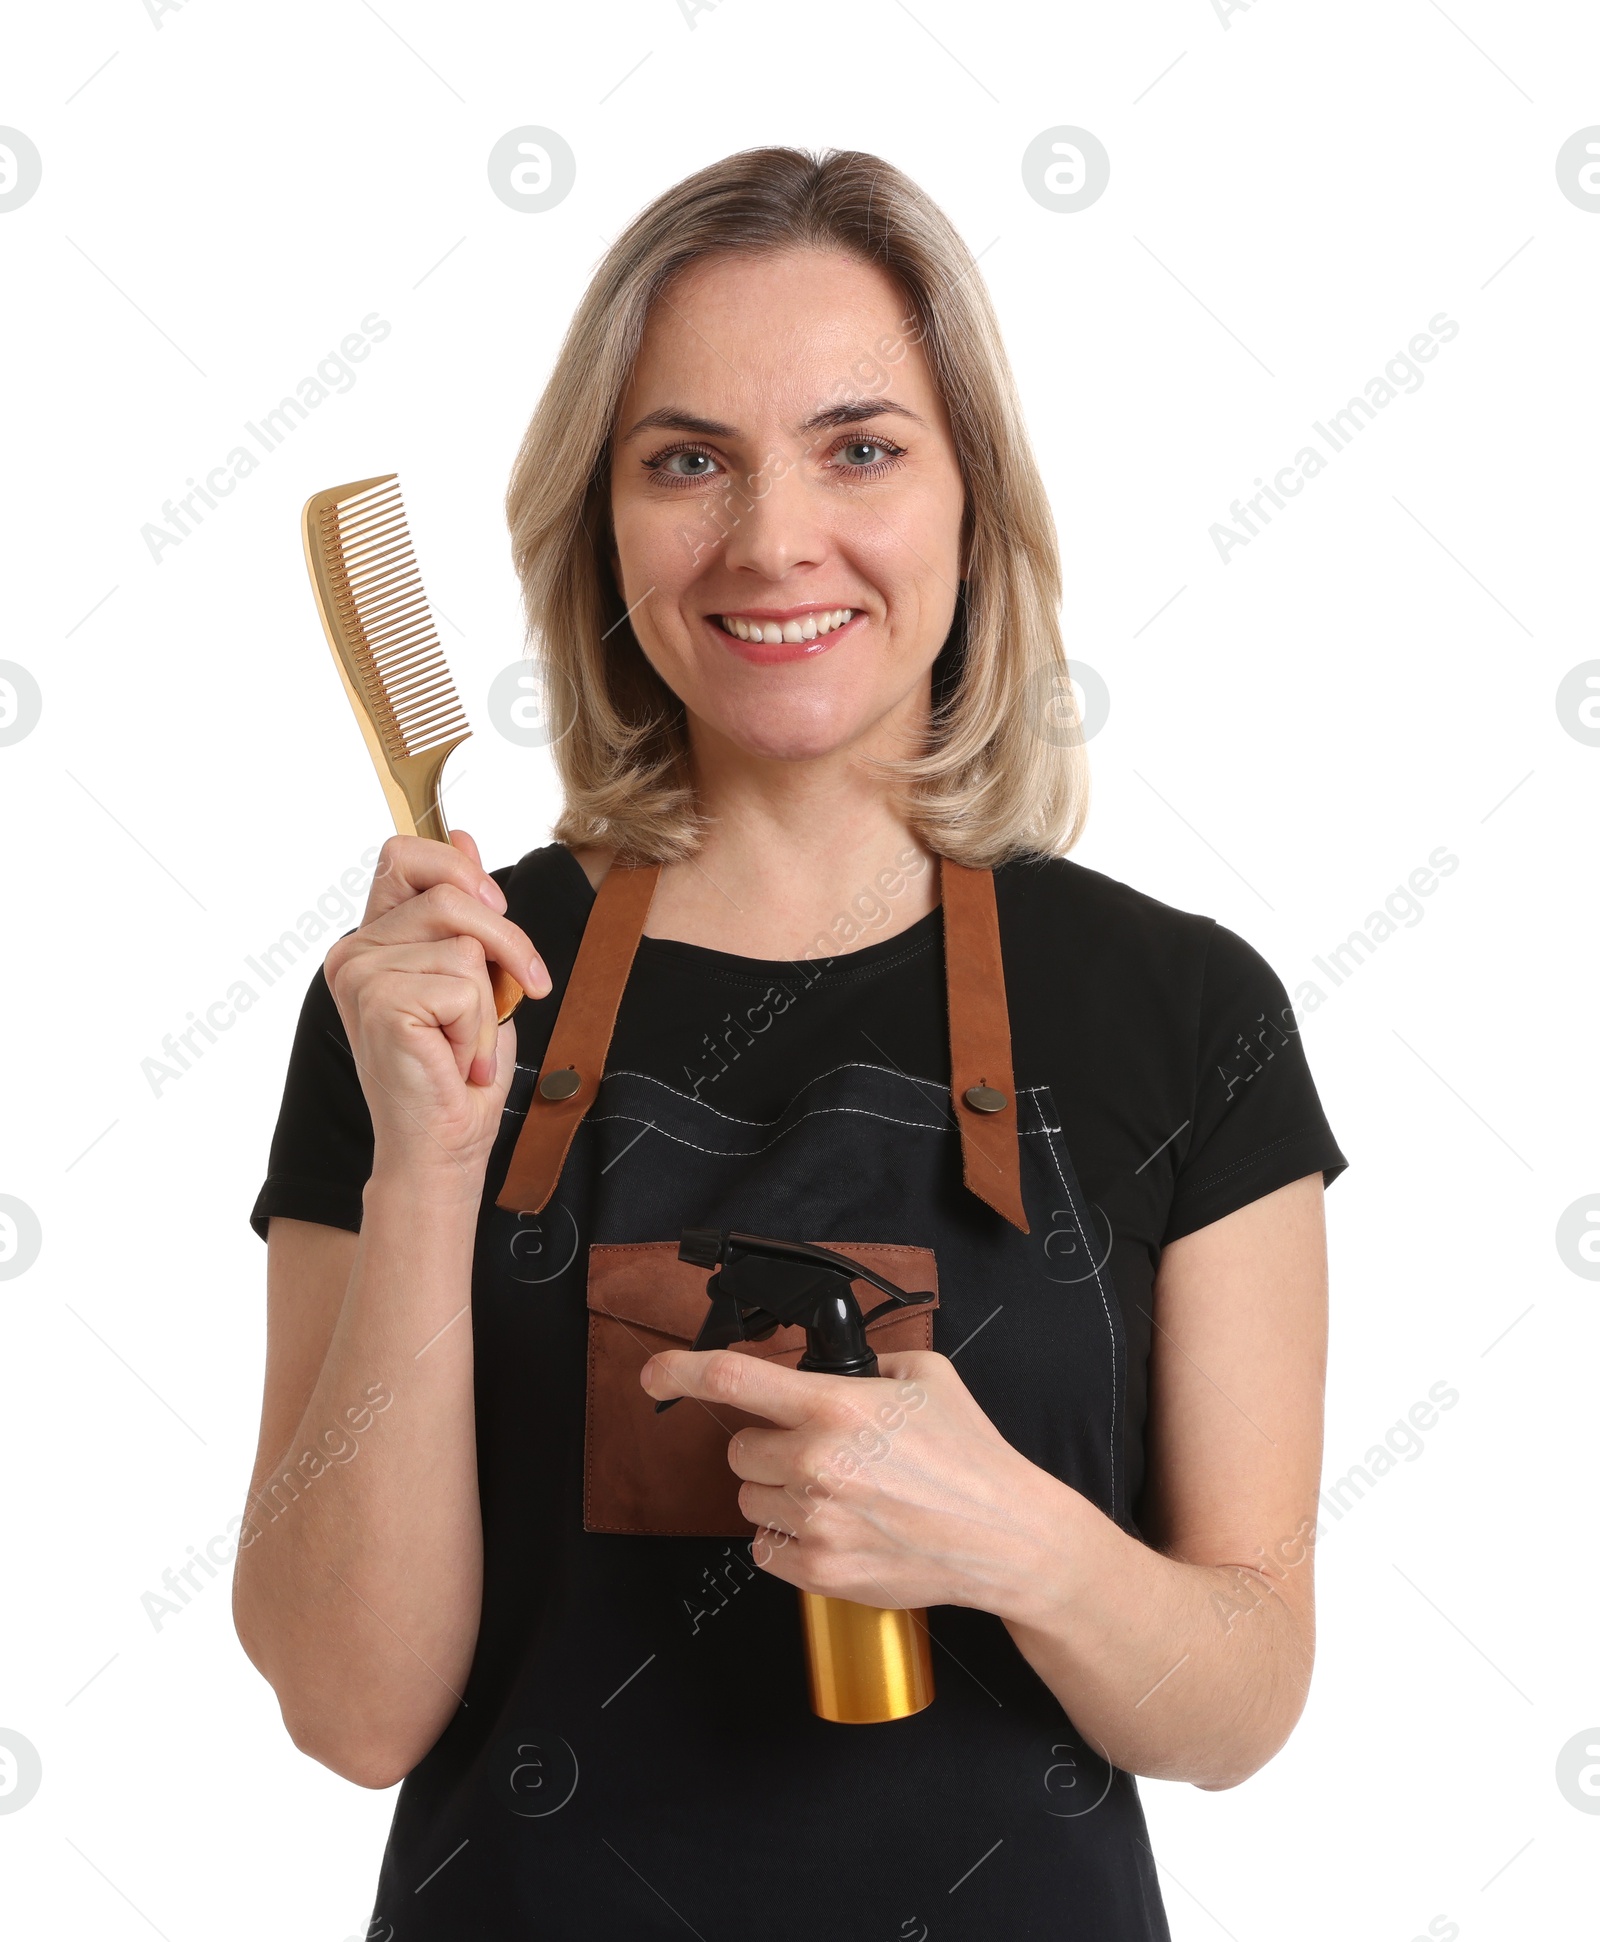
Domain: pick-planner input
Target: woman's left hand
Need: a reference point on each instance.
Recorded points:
(891, 1490)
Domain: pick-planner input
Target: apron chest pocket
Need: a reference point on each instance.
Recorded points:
(667, 1475)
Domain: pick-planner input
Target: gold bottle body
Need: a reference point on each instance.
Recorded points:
(865, 1664)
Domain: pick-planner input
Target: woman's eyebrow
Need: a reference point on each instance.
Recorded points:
(673, 418)
(856, 411)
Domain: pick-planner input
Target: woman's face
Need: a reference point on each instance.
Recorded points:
(783, 458)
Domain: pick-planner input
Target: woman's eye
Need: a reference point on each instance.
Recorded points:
(689, 465)
(869, 457)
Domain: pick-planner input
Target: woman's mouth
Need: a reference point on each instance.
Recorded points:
(805, 627)
(768, 637)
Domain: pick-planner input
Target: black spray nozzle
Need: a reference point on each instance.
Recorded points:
(702, 1246)
(760, 1285)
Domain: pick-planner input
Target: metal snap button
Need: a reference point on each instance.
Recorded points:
(559, 1085)
(985, 1099)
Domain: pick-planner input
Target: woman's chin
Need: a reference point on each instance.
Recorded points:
(785, 737)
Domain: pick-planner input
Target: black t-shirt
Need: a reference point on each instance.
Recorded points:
(1168, 1043)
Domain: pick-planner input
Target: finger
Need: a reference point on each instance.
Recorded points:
(486, 889)
(408, 865)
(456, 1001)
(471, 1026)
(454, 955)
(787, 1397)
(486, 1067)
(443, 982)
(449, 907)
(778, 1553)
(767, 1456)
(411, 866)
(773, 1509)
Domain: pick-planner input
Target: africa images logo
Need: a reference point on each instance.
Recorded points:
(1402, 373)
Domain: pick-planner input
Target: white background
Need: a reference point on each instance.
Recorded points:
(1294, 193)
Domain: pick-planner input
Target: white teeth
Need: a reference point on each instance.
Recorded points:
(773, 632)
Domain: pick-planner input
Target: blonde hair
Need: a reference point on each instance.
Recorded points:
(1003, 770)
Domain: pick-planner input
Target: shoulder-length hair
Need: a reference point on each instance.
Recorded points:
(1002, 771)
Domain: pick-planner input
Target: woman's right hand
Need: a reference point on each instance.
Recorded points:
(412, 987)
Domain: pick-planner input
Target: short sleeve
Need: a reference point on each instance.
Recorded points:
(320, 1158)
(1257, 1122)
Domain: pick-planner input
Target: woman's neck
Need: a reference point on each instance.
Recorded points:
(798, 858)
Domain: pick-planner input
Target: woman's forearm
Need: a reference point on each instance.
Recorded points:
(1180, 1671)
(359, 1582)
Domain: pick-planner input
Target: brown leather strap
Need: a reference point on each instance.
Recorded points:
(980, 1040)
(582, 1035)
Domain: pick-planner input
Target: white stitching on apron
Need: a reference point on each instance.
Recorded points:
(749, 1152)
(851, 1065)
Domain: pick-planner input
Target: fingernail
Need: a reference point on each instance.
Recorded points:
(487, 892)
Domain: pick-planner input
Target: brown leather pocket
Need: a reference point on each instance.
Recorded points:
(667, 1475)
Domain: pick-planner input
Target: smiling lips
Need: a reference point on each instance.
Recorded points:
(797, 627)
(768, 635)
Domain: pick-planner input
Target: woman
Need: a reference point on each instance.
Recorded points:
(789, 565)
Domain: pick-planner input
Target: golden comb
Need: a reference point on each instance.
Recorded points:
(386, 648)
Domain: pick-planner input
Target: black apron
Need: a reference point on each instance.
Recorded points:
(636, 1755)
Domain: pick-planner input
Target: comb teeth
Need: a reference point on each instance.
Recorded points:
(383, 612)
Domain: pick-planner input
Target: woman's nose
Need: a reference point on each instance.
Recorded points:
(778, 523)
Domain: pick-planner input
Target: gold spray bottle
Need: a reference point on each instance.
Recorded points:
(865, 1664)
